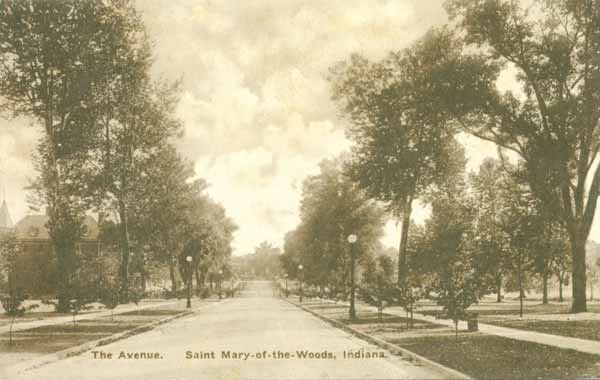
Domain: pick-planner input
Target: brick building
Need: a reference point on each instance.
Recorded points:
(36, 265)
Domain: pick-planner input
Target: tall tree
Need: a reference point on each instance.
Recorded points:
(553, 125)
(378, 286)
(160, 210)
(292, 252)
(519, 219)
(331, 209)
(54, 60)
(492, 262)
(142, 123)
(550, 248)
(399, 129)
(208, 223)
(449, 255)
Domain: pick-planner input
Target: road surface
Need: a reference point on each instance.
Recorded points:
(241, 338)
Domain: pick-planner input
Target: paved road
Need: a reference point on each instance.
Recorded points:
(253, 324)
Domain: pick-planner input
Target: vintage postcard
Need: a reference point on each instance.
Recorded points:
(299, 189)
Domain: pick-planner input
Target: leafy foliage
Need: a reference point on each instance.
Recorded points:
(332, 208)
(398, 121)
(57, 59)
(378, 286)
(552, 125)
(264, 263)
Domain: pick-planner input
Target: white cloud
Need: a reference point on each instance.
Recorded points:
(17, 142)
(256, 104)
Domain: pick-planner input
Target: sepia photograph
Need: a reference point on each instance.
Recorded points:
(299, 189)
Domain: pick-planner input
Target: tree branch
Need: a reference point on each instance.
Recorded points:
(590, 207)
(495, 139)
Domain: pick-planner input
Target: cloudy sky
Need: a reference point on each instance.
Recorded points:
(256, 104)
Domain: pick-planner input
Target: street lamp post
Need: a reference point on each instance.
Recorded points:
(300, 277)
(219, 281)
(189, 259)
(285, 275)
(352, 240)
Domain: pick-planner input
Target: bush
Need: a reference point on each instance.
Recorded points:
(12, 304)
(179, 293)
(378, 287)
(109, 296)
(168, 294)
(136, 295)
(205, 292)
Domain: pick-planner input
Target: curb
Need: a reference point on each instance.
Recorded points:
(78, 350)
(410, 356)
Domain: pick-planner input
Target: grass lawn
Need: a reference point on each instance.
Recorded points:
(40, 344)
(491, 357)
(42, 340)
(481, 356)
(103, 327)
(399, 323)
(576, 329)
(371, 322)
(512, 308)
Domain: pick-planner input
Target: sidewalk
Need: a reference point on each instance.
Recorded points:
(121, 309)
(582, 345)
(577, 344)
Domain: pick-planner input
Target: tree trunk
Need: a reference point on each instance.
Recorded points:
(172, 277)
(545, 285)
(456, 329)
(125, 252)
(403, 249)
(499, 289)
(579, 275)
(198, 282)
(63, 281)
(521, 293)
(560, 287)
(202, 277)
(61, 226)
(64, 252)
(352, 283)
(143, 279)
(59, 244)
(10, 329)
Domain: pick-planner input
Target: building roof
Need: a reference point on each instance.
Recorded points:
(33, 227)
(5, 219)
